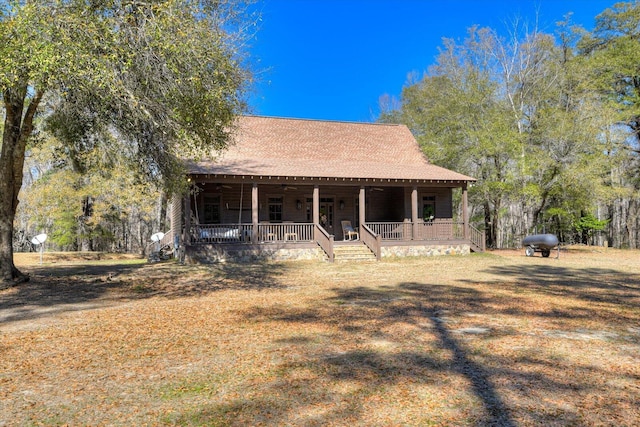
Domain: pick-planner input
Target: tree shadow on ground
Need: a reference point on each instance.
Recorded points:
(593, 285)
(360, 315)
(82, 286)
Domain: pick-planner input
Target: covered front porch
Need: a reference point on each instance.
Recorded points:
(248, 215)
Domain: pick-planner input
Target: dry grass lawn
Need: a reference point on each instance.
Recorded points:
(487, 339)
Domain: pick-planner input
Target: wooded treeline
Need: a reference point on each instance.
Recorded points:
(96, 208)
(549, 124)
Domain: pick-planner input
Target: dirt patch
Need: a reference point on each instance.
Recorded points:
(33, 258)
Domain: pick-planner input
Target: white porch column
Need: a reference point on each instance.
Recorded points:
(254, 212)
(363, 211)
(316, 205)
(465, 212)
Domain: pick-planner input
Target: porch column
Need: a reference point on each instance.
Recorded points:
(254, 212)
(362, 213)
(465, 212)
(414, 212)
(186, 233)
(316, 205)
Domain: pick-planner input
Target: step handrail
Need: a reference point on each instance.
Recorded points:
(372, 240)
(325, 240)
(477, 238)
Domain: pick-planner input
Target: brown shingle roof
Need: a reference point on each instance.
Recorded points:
(270, 146)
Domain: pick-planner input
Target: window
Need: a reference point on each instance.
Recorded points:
(326, 212)
(211, 209)
(428, 208)
(309, 209)
(275, 209)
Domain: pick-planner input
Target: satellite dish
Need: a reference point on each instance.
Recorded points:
(39, 239)
(156, 237)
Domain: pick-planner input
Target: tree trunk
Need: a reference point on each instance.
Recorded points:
(495, 225)
(162, 216)
(488, 225)
(18, 125)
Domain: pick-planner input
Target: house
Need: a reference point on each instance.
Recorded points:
(297, 188)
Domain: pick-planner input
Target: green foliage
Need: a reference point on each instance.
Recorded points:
(589, 223)
(102, 206)
(54, 206)
(611, 54)
(534, 120)
(64, 232)
(125, 88)
(157, 79)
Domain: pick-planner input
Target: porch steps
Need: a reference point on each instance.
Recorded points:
(475, 248)
(353, 252)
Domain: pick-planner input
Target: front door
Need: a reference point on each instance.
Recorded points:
(327, 214)
(428, 208)
(212, 210)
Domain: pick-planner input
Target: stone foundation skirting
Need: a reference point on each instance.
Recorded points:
(209, 254)
(427, 250)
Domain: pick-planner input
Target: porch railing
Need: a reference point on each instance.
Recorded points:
(221, 233)
(242, 233)
(439, 230)
(391, 230)
(434, 230)
(285, 232)
(371, 234)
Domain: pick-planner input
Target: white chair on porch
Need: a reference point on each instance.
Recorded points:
(348, 232)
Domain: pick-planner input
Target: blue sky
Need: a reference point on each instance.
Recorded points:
(333, 59)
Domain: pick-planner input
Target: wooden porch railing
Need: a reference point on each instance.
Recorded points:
(391, 230)
(242, 233)
(285, 232)
(439, 230)
(372, 239)
(220, 233)
(478, 238)
(325, 240)
(371, 234)
(435, 230)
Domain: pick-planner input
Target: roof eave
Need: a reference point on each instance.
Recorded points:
(314, 179)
